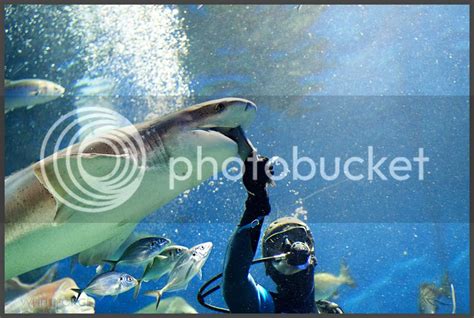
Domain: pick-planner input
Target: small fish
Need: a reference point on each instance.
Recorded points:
(326, 285)
(430, 294)
(30, 92)
(189, 264)
(57, 297)
(14, 287)
(141, 251)
(161, 265)
(108, 284)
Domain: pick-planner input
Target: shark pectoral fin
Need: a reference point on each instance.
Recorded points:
(76, 181)
(108, 248)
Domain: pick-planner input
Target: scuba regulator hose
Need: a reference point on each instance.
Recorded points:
(202, 293)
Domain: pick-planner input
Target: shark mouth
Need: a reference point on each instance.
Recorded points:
(245, 146)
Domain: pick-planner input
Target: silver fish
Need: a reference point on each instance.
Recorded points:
(141, 251)
(188, 265)
(108, 284)
(161, 265)
(30, 92)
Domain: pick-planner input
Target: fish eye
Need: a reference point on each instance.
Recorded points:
(219, 107)
(129, 279)
(36, 93)
(73, 299)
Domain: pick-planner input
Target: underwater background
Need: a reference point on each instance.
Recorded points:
(332, 80)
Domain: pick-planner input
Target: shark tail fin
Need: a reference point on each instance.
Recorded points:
(157, 294)
(346, 276)
(137, 288)
(111, 262)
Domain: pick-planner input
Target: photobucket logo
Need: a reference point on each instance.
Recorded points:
(399, 168)
(98, 173)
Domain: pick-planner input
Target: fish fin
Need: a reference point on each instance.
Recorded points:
(73, 262)
(157, 294)
(345, 275)
(137, 288)
(78, 291)
(48, 276)
(111, 262)
(62, 214)
(99, 269)
(159, 258)
(108, 249)
(200, 274)
(441, 302)
(445, 288)
(30, 106)
(62, 176)
(158, 299)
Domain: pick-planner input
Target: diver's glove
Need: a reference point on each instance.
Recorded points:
(255, 180)
(257, 175)
(328, 307)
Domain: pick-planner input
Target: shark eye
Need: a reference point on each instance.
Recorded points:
(219, 107)
(129, 279)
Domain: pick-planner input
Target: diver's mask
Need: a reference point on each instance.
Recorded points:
(295, 246)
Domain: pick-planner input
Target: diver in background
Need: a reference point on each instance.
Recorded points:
(288, 236)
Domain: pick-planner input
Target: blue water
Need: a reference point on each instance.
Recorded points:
(332, 81)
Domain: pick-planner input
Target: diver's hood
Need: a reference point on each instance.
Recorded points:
(283, 236)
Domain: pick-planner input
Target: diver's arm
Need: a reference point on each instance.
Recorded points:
(241, 293)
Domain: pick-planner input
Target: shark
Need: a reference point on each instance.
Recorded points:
(41, 227)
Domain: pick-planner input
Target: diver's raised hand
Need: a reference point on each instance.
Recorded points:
(258, 172)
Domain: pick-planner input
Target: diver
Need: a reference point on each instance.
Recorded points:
(289, 237)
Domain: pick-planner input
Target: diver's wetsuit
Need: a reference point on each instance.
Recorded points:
(241, 293)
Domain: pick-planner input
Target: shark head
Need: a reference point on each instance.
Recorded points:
(202, 138)
(212, 129)
(225, 113)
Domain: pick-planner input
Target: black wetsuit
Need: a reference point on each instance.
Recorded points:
(295, 293)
